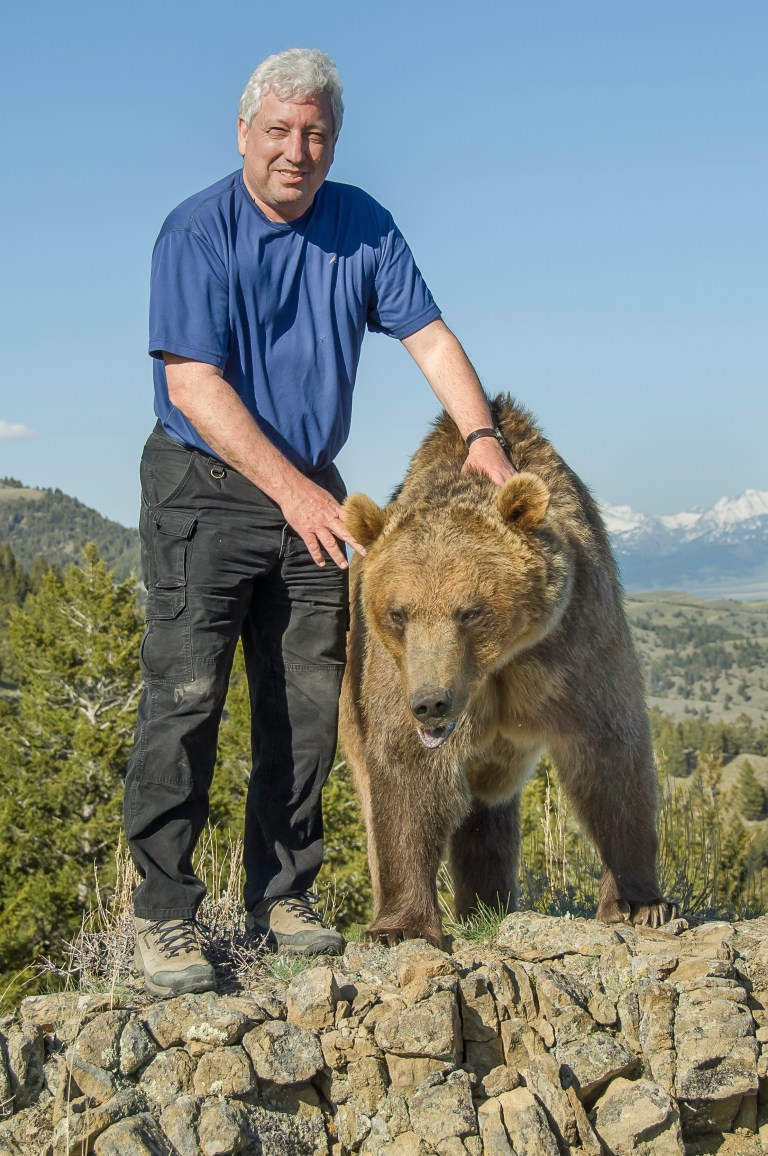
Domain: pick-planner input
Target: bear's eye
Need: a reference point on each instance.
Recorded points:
(397, 618)
(467, 617)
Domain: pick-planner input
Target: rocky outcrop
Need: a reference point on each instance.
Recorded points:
(564, 1036)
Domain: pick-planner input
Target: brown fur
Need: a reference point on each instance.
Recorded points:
(499, 608)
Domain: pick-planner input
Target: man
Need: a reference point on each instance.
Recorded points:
(262, 287)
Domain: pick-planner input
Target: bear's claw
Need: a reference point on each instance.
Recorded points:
(391, 936)
(653, 914)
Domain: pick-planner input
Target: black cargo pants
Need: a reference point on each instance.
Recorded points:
(219, 564)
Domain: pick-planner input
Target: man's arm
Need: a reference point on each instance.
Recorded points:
(448, 370)
(218, 414)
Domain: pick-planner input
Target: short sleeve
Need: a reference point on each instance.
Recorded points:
(402, 302)
(189, 299)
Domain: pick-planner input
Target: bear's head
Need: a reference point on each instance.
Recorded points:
(456, 584)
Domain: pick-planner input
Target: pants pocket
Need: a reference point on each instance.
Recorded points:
(164, 473)
(166, 649)
(172, 544)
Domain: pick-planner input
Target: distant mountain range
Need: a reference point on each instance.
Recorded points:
(717, 553)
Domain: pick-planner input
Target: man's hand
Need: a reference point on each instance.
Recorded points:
(201, 393)
(449, 371)
(318, 519)
(486, 456)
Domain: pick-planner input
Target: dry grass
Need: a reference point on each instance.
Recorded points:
(693, 866)
(100, 958)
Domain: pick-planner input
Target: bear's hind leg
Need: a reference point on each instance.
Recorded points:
(483, 857)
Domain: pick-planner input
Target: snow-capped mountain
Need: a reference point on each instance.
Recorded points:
(720, 552)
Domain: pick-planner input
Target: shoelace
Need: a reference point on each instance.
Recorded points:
(175, 936)
(301, 906)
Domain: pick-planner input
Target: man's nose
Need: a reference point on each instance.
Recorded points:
(294, 148)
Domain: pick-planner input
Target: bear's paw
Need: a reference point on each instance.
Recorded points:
(652, 914)
(391, 936)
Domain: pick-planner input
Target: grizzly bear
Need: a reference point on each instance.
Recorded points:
(486, 626)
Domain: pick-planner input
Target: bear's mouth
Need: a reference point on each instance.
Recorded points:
(436, 736)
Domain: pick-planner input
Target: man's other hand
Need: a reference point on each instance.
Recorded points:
(318, 519)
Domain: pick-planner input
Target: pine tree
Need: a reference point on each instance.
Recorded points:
(14, 587)
(63, 751)
(752, 796)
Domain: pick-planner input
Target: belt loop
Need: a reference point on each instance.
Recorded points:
(283, 541)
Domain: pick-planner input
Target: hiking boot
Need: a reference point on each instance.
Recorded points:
(169, 956)
(294, 924)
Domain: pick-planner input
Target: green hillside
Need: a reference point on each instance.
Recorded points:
(47, 523)
(703, 657)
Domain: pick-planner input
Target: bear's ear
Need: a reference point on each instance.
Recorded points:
(363, 518)
(523, 502)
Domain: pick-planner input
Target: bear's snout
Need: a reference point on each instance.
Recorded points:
(431, 704)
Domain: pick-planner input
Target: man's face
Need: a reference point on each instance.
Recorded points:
(287, 153)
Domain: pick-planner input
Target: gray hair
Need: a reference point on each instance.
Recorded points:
(295, 74)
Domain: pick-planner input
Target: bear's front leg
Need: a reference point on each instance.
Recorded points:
(409, 816)
(612, 783)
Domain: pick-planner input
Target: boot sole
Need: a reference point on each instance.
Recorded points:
(263, 937)
(183, 985)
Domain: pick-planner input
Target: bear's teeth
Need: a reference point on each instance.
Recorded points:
(436, 737)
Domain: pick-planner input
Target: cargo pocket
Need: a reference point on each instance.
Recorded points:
(172, 532)
(166, 650)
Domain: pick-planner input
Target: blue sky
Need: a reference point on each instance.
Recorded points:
(584, 187)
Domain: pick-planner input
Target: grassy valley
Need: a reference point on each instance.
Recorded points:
(703, 658)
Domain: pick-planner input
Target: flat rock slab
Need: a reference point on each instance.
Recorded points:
(136, 1136)
(284, 1053)
(716, 1053)
(526, 1124)
(592, 1062)
(195, 1018)
(535, 938)
(312, 997)
(99, 1041)
(49, 1011)
(637, 1116)
(430, 1028)
(442, 1107)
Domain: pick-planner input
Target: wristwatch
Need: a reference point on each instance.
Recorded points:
(487, 432)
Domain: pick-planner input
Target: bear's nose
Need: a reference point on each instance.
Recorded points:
(429, 704)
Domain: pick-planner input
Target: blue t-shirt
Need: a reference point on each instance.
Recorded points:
(281, 308)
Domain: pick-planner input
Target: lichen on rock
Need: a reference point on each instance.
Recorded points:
(587, 1036)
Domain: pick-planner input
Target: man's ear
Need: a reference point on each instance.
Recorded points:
(242, 135)
(523, 502)
(363, 518)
